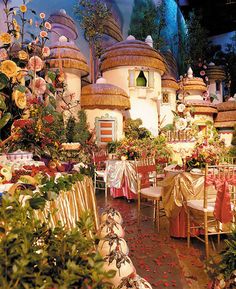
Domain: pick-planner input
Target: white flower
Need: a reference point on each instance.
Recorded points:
(181, 124)
(181, 107)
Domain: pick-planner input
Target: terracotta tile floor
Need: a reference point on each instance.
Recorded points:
(163, 261)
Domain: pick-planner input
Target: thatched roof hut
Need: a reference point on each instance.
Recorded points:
(67, 55)
(132, 52)
(104, 96)
(226, 114)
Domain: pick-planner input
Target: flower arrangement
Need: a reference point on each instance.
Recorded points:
(208, 148)
(26, 83)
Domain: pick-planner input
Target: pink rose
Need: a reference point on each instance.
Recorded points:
(46, 51)
(43, 34)
(35, 63)
(3, 54)
(202, 72)
(38, 86)
(48, 25)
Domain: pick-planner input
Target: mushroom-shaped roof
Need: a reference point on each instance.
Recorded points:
(67, 55)
(169, 81)
(226, 116)
(215, 72)
(61, 18)
(171, 63)
(202, 106)
(112, 28)
(104, 96)
(189, 82)
(132, 52)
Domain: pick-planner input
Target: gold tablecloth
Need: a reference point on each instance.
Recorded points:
(180, 188)
(69, 206)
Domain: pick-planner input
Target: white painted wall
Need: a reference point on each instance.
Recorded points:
(143, 99)
(194, 95)
(166, 108)
(212, 89)
(227, 137)
(73, 89)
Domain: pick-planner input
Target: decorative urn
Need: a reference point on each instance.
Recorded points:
(112, 242)
(114, 214)
(111, 226)
(120, 263)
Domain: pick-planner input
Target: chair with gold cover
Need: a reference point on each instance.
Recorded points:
(215, 213)
(148, 187)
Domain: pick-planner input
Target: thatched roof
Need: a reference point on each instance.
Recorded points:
(132, 52)
(172, 67)
(227, 114)
(67, 55)
(112, 28)
(168, 81)
(215, 72)
(202, 107)
(60, 17)
(194, 83)
(104, 96)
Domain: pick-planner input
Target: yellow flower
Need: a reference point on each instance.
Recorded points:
(23, 8)
(17, 28)
(23, 55)
(20, 99)
(5, 38)
(9, 68)
(17, 35)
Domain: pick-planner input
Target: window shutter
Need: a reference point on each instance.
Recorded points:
(151, 79)
(131, 78)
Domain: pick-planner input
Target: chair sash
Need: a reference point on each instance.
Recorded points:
(222, 211)
(144, 171)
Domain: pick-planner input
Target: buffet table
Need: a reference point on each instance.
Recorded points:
(121, 178)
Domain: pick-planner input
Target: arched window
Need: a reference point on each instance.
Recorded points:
(141, 79)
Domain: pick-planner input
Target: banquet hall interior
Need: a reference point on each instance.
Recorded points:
(117, 144)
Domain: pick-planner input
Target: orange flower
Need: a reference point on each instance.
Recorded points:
(43, 34)
(23, 8)
(9, 68)
(5, 38)
(23, 55)
(48, 25)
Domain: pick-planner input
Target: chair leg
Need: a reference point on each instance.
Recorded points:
(106, 193)
(139, 205)
(206, 235)
(188, 229)
(158, 215)
(218, 235)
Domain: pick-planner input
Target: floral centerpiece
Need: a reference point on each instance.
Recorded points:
(27, 86)
(208, 149)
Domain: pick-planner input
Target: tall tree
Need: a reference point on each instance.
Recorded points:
(196, 40)
(148, 19)
(92, 15)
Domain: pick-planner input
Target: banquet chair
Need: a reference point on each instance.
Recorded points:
(215, 213)
(99, 161)
(148, 188)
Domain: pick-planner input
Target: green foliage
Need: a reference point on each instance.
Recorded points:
(233, 142)
(70, 129)
(92, 16)
(223, 268)
(133, 129)
(112, 146)
(196, 39)
(148, 19)
(77, 131)
(32, 255)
